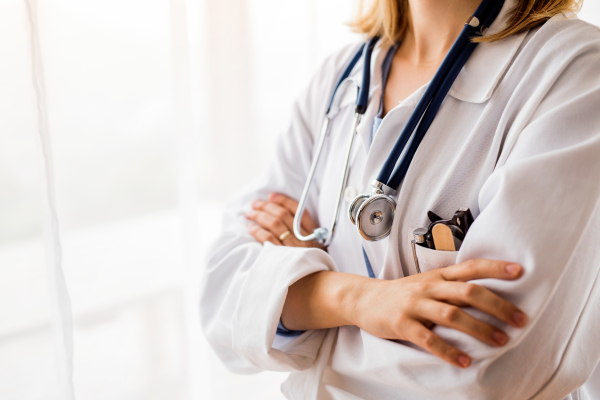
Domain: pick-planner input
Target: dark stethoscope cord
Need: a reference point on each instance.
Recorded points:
(373, 214)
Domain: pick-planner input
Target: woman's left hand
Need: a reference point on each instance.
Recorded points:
(274, 221)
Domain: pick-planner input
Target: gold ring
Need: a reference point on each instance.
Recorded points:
(284, 235)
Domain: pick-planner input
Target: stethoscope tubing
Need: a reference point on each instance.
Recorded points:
(357, 56)
(365, 51)
(415, 139)
(396, 165)
(320, 233)
(388, 173)
(363, 94)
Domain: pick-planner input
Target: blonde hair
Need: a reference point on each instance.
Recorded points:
(389, 18)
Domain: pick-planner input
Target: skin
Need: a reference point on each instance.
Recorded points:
(433, 27)
(405, 308)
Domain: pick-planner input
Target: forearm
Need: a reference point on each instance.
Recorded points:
(322, 300)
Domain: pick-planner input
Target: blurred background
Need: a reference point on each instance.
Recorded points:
(145, 110)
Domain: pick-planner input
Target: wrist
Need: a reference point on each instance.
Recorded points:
(325, 299)
(351, 296)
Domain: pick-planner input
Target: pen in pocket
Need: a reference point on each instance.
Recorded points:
(442, 235)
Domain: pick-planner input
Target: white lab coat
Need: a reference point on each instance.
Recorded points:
(517, 140)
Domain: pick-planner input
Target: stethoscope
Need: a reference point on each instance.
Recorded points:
(373, 214)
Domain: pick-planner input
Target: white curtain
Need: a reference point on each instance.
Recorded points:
(124, 127)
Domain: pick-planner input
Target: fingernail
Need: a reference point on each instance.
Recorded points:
(518, 317)
(464, 361)
(257, 203)
(499, 337)
(250, 213)
(273, 196)
(513, 269)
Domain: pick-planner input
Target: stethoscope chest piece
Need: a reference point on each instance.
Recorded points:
(355, 206)
(375, 216)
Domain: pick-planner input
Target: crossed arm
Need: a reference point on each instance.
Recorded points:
(403, 309)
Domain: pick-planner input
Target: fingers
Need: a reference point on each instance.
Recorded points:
(284, 201)
(456, 318)
(479, 297)
(476, 296)
(278, 212)
(267, 221)
(292, 205)
(482, 269)
(431, 342)
(275, 210)
(263, 235)
(277, 220)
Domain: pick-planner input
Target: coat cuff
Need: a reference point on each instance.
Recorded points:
(262, 295)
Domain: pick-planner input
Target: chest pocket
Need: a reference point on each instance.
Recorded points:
(431, 259)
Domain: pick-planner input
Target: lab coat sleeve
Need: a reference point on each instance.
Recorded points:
(539, 208)
(245, 283)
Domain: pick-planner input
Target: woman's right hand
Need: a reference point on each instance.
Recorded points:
(406, 308)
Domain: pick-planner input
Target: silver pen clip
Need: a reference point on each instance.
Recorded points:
(419, 238)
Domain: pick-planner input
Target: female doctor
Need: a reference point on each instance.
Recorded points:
(514, 313)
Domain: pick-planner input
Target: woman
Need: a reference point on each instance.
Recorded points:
(517, 140)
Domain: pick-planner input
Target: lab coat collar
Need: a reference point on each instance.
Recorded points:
(475, 84)
(481, 74)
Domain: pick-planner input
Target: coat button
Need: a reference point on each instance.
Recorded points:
(350, 193)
